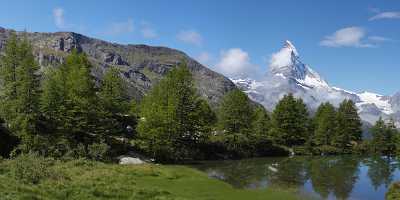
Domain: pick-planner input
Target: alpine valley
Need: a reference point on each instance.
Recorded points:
(288, 74)
(142, 66)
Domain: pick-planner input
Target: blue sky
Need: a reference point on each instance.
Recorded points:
(352, 44)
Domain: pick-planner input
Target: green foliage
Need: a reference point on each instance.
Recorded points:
(20, 91)
(383, 137)
(30, 168)
(394, 192)
(235, 119)
(349, 130)
(173, 118)
(98, 151)
(324, 124)
(290, 123)
(113, 92)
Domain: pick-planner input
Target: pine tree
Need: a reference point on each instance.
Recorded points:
(21, 91)
(379, 131)
(235, 119)
(348, 128)
(81, 99)
(261, 123)
(324, 124)
(290, 123)
(71, 106)
(10, 61)
(115, 104)
(27, 84)
(171, 125)
(113, 92)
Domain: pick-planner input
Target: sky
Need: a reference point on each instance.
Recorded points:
(353, 45)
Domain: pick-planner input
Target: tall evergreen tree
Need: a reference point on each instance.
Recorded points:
(235, 120)
(10, 61)
(171, 127)
(70, 104)
(113, 92)
(290, 122)
(324, 124)
(261, 123)
(115, 104)
(20, 83)
(384, 137)
(348, 126)
(378, 136)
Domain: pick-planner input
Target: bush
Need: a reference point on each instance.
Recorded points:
(98, 151)
(30, 168)
(394, 192)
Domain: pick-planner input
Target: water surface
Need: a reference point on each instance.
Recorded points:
(329, 177)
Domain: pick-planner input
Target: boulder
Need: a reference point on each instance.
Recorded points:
(130, 161)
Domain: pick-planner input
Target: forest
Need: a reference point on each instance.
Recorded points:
(63, 112)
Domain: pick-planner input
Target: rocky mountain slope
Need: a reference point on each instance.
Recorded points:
(288, 74)
(141, 65)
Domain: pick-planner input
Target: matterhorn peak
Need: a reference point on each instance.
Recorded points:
(289, 45)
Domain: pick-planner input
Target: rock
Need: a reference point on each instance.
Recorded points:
(141, 65)
(130, 161)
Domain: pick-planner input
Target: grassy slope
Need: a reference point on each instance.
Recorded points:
(92, 180)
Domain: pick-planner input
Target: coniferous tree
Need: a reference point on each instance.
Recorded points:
(71, 106)
(378, 136)
(290, 123)
(116, 113)
(324, 124)
(384, 137)
(348, 126)
(261, 123)
(9, 64)
(171, 124)
(113, 92)
(235, 118)
(20, 92)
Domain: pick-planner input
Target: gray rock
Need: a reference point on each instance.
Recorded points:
(130, 161)
(142, 66)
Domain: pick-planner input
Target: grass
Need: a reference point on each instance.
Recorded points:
(81, 179)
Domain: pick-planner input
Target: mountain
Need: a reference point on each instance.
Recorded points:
(140, 65)
(288, 74)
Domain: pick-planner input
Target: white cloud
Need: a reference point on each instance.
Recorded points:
(58, 15)
(236, 63)
(281, 58)
(204, 58)
(386, 15)
(190, 37)
(148, 31)
(117, 28)
(378, 39)
(346, 37)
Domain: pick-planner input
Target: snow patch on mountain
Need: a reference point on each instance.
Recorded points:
(288, 74)
(378, 100)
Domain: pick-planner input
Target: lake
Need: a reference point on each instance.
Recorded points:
(322, 177)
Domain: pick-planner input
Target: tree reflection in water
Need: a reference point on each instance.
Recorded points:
(330, 176)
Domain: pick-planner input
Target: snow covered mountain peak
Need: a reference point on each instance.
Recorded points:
(286, 63)
(291, 47)
(288, 74)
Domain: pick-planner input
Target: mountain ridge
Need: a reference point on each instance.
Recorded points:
(288, 74)
(141, 65)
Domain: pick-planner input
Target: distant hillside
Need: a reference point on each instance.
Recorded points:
(141, 65)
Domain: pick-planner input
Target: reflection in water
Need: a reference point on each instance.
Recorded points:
(331, 177)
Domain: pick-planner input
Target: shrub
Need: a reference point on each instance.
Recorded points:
(30, 168)
(394, 192)
(98, 151)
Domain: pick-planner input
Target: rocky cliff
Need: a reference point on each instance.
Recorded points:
(141, 65)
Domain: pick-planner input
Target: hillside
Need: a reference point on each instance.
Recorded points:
(141, 65)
